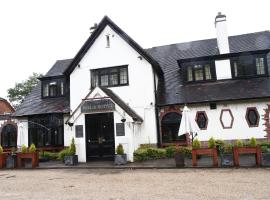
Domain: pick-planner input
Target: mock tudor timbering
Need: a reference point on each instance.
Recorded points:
(147, 90)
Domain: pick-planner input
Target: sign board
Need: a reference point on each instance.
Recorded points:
(120, 129)
(97, 106)
(79, 131)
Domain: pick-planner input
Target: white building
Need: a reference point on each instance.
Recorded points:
(113, 91)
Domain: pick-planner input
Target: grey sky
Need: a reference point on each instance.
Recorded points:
(34, 34)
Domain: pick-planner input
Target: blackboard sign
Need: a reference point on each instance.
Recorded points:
(97, 106)
(79, 131)
(120, 129)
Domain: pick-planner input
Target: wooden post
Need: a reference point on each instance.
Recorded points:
(235, 156)
(194, 157)
(215, 158)
(258, 156)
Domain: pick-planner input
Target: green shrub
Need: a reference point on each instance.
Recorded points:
(252, 142)
(120, 150)
(264, 149)
(32, 148)
(170, 151)
(72, 148)
(228, 148)
(212, 143)
(239, 143)
(63, 153)
(196, 144)
(1, 150)
(220, 143)
(24, 149)
(140, 154)
(48, 155)
(265, 144)
(146, 146)
(143, 154)
(188, 151)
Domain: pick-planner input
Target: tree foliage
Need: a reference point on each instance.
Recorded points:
(17, 94)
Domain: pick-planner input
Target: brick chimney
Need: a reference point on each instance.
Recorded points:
(222, 36)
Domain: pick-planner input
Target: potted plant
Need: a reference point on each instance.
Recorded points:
(11, 160)
(250, 148)
(120, 158)
(226, 155)
(27, 154)
(211, 150)
(179, 157)
(2, 158)
(71, 158)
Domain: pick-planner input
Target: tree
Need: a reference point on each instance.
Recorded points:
(17, 94)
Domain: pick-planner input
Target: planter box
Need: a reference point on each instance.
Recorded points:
(179, 160)
(120, 159)
(71, 160)
(226, 159)
(21, 157)
(247, 150)
(2, 160)
(266, 159)
(205, 151)
(11, 161)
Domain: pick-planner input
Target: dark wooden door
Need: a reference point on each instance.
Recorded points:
(99, 136)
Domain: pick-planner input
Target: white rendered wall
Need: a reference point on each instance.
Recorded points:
(240, 128)
(223, 69)
(139, 94)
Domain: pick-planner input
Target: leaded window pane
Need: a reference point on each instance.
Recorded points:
(114, 79)
(189, 74)
(235, 67)
(198, 72)
(260, 66)
(104, 80)
(45, 90)
(123, 76)
(207, 72)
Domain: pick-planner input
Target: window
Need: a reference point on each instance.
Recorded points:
(46, 130)
(260, 66)
(53, 88)
(202, 120)
(248, 65)
(252, 117)
(9, 136)
(170, 124)
(199, 71)
(109, 77)
(108, 41)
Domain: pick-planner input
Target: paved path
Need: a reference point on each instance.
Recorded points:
(116, 184)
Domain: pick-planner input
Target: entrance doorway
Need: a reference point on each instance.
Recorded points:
(99, 136)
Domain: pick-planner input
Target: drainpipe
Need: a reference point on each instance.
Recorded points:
(156, 113)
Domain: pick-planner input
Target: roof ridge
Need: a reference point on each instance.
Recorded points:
(266, 31)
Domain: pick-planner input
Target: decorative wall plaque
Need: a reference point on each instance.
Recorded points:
(97, 106)
(120, 129)
(79, 131)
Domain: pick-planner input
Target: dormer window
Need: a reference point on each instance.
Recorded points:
(53, 88)
(248, 66)
(199, 71)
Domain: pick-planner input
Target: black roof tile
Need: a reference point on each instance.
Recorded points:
(171, 89)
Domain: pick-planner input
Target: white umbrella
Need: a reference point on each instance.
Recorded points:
(187, 124)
